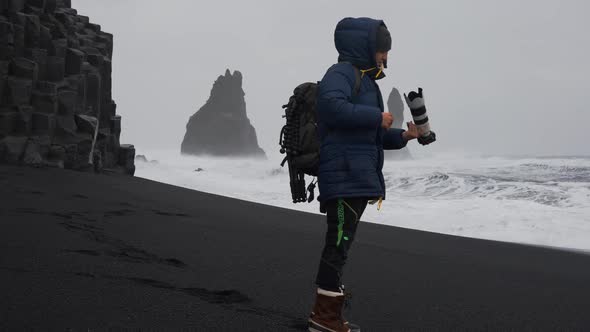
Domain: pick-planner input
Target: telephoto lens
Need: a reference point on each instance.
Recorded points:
(415, 101)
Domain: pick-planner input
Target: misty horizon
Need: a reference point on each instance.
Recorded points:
(498, 79)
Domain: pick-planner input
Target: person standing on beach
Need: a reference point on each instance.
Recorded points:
(354, 130)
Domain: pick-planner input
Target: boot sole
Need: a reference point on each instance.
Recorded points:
(315, 327)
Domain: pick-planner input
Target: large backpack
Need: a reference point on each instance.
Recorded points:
(299, 138)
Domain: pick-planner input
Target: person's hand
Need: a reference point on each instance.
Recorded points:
(411, 133)
(386, 120)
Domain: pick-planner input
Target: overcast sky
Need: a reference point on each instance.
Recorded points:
(499, 77)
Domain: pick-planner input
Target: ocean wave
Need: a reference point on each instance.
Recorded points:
(553, 185)
(530, 200)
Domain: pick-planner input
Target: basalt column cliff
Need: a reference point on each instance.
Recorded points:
(56, 107)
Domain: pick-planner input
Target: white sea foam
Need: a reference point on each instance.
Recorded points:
(543, 201)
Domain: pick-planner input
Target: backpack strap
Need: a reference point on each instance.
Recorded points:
(357, 82)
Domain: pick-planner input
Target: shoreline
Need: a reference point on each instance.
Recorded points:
(108, 251)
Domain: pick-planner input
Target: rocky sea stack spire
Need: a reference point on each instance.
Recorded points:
(56, 107)
(395, 105)
(221, 127)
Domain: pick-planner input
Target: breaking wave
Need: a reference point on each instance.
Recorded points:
(541, 200)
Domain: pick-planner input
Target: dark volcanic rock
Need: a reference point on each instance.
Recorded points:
(12, 149)
(86, 123)
(36, 151)
(127, 158)
(221, 127)
(141, 158)
(395, 105)
(55, 89)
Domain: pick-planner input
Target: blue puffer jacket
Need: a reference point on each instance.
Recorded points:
(352, 139)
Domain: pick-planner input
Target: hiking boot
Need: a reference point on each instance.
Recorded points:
(347, 301)
(327, 313)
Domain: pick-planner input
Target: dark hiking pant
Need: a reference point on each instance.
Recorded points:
(343, 217)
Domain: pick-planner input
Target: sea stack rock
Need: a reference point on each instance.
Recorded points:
(395, 104)
(221, 127)
(56, 107)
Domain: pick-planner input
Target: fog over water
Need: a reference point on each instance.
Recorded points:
(500, 77)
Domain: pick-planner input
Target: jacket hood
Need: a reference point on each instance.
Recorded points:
(356, 41)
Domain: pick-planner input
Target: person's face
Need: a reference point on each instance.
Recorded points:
(381, 59)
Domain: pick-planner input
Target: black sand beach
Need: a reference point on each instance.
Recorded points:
(86, 251)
